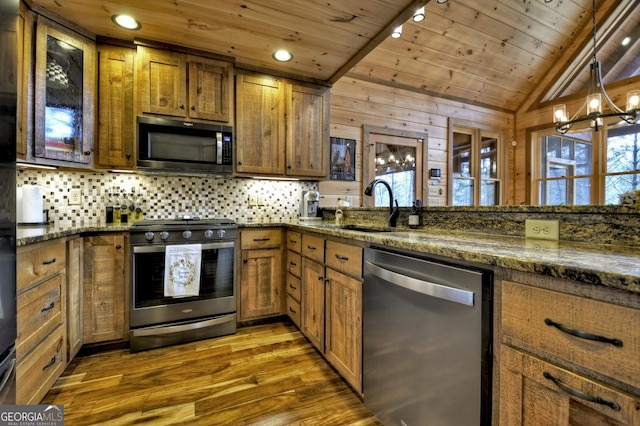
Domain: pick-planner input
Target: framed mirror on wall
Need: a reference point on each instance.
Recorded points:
(399, 158)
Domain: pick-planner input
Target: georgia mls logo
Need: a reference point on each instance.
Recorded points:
(31, 415)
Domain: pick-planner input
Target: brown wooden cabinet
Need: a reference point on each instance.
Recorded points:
(41, 353)
(106, 287)
(567, 358)
(260, 269)
(75, 306)
(185, 86)
(65, 96)
(313, 302)
(281, 127)
(24, 81)
(116, 120)
(293, 280)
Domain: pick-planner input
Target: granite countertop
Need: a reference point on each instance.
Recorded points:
(607, 265)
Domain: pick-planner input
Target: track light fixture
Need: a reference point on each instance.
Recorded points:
(397, 32)
(419, 15)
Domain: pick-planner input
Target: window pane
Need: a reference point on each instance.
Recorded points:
(489, 192)
(565, 192)
(461, 154)
(583, 158)
(583, 191)
(462, 192)
(623, 149)
(489, 158)
(618, 185)
(395, 164)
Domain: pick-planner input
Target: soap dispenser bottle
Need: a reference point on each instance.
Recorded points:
(414, 217)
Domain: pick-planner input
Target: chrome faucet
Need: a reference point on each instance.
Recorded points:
(393, 214)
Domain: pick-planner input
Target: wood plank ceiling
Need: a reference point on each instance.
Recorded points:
(495, 53)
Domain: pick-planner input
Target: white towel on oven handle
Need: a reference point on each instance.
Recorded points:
(182, 270)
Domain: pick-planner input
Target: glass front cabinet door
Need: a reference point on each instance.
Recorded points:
(65, 75)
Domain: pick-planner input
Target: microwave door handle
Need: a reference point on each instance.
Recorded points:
(218, 147)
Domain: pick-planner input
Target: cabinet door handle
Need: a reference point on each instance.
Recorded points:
(50, 363)
(49, 262)
(128, 156)
(582, 334)
(48, 307)
(579, 394)
(320, 278)
(181, 106)
(341, 257)
(118, 246)
(261, 239)
(193, 107)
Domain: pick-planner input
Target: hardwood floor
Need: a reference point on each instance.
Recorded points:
(263, 375)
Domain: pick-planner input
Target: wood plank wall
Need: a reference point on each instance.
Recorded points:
(541, 118)
(355, 103)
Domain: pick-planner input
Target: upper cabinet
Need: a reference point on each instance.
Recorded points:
(282, 127)
(64, 82)
(184, 86)
(116, 119)
(24, 116)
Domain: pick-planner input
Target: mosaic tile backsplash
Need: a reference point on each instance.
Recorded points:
(165, 197)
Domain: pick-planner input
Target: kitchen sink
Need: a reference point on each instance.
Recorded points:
(365, 228)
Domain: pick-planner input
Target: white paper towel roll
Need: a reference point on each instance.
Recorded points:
(19, 204)
(32, 204)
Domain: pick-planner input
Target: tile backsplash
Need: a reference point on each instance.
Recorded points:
(164, 197)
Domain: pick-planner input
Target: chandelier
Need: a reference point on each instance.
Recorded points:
(594, 117)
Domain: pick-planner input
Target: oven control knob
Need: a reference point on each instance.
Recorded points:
(164, 235)
(149, 236)
(221, 233)
(186, 235)
(208, 233)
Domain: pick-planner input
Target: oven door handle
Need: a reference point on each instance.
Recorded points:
(156, 331)
(161, 249)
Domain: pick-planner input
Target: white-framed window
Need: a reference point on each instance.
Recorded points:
(477, 166)
(585, 168)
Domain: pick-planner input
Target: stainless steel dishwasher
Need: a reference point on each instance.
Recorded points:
(427, 330)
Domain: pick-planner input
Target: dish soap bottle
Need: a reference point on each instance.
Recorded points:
(414, 217)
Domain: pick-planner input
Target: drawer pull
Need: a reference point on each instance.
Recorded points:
(311, 247)
(50, 363)
(49, 307)
(293, 287)
(292, 310)
(579, 394)
(344, 258)
(261, 239)
(582, 334)
(49, 262)
(293, 264)
(293, 241)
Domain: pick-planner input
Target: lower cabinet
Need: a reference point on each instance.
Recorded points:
(331, 303)
(106, 287)
(566, 358)
(41, 352)
(260, 274)
(535, 392)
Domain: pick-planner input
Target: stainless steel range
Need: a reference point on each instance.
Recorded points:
(162, 250)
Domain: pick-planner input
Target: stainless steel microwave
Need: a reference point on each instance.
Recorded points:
(172, 146)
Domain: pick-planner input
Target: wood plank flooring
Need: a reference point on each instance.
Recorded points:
(263, 375)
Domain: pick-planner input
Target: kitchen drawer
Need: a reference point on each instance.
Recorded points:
(294, 287)
(260, 238)
(313, 248)
(526, 311)
(293, 310)
(40, 311)
(294, 241)
(37, 372)
(344, 258)
(294, 263)
(37, 262)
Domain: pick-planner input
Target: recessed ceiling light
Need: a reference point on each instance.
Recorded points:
(441, 1)
(397, 32)
(282, 55)
(126, 21)
(626, 41)
(419, 15)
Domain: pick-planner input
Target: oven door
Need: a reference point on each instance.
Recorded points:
(149, 305)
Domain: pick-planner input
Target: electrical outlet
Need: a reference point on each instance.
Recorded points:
(75, 197)
(434, 190)
(260, 199)
(542, 229)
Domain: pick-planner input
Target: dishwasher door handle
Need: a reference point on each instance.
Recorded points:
(428, 288)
